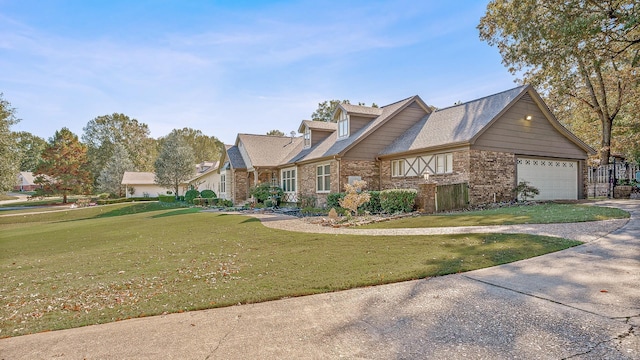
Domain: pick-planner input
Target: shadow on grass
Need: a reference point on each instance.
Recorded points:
(249, 220)
(176, 212)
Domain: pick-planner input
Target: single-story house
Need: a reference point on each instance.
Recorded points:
(25, 182)
(142, 184)
(491, 144)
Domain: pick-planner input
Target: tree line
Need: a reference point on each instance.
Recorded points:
(95, 162)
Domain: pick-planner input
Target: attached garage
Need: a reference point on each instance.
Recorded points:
(556, 179)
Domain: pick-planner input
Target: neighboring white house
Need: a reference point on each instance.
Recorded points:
(142, 184)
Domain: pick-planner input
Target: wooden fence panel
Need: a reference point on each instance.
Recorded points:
(452, 197)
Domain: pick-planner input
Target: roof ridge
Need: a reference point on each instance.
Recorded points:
(399, 101)
(481, 98)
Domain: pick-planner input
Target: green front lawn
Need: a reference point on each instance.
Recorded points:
(548, 213)
(68, 269)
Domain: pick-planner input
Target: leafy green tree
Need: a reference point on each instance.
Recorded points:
(110, 179)
(64, 167)
(175, 163)
(103, 133)
(581, 51)
(30, 147)
(275, 133)
(9, 156)
(205, 148)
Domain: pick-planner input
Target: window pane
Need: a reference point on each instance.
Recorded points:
(327, 169)
(449, 163)
(327, 183)
(319, 185)
(319, 170)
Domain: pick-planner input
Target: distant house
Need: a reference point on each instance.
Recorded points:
(142, 184)
(25, 182)
(489, 144)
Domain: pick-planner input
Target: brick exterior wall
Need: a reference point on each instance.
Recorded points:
(491, 173)
(369, 171)
(459, 174)
(307, 178)
(239, 186)
(486, 172)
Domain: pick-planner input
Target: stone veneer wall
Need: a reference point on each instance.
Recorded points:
(585, 180)
(459, 174)
(491, 173)
(369, 171)
(307, 181)
(239, 183)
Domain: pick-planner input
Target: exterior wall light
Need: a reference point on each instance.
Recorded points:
(528, 117)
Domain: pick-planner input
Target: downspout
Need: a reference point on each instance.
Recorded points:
(379, 173)
(336, 158)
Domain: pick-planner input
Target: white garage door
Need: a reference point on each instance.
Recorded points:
(556, 179)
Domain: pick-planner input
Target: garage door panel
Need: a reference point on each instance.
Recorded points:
(556, 179)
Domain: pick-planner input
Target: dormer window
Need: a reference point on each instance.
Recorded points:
(307, 137)
(343, 125)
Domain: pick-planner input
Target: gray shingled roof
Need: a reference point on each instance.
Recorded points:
(235, 158)
(269, 151)
(331, 146)
(319, 125)
(456, 124)
(361, 110)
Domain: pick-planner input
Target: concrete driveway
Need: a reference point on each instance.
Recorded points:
(580, 303)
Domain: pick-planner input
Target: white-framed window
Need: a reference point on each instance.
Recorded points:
(323, 178)
(343, 125)
(397, 168)
(307, 137)
(223, 184)
(288, 177)
(444, 163)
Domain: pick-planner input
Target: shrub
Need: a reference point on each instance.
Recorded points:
(208, 194)
(225, 203)
(167, 198)
(309, 201)
(190, 195)
(104, 196)
(265, 191)
(373, 206)
(525, 190)
(398, 200)
(333, 200)
(124, 200)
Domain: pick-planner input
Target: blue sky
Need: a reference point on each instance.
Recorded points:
(228, 67)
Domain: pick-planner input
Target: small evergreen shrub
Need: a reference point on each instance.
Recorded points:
(525, 190)
(265, 191)
(333, 200)
(124, 200)
(167, 198)
(190, 195)
(208, 194)
(225, 203)
(398, 200)
(373, 206)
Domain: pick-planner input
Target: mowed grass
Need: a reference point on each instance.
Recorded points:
(69, 269)
(546, 213)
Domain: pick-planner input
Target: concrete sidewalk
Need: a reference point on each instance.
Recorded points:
(580, 303)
